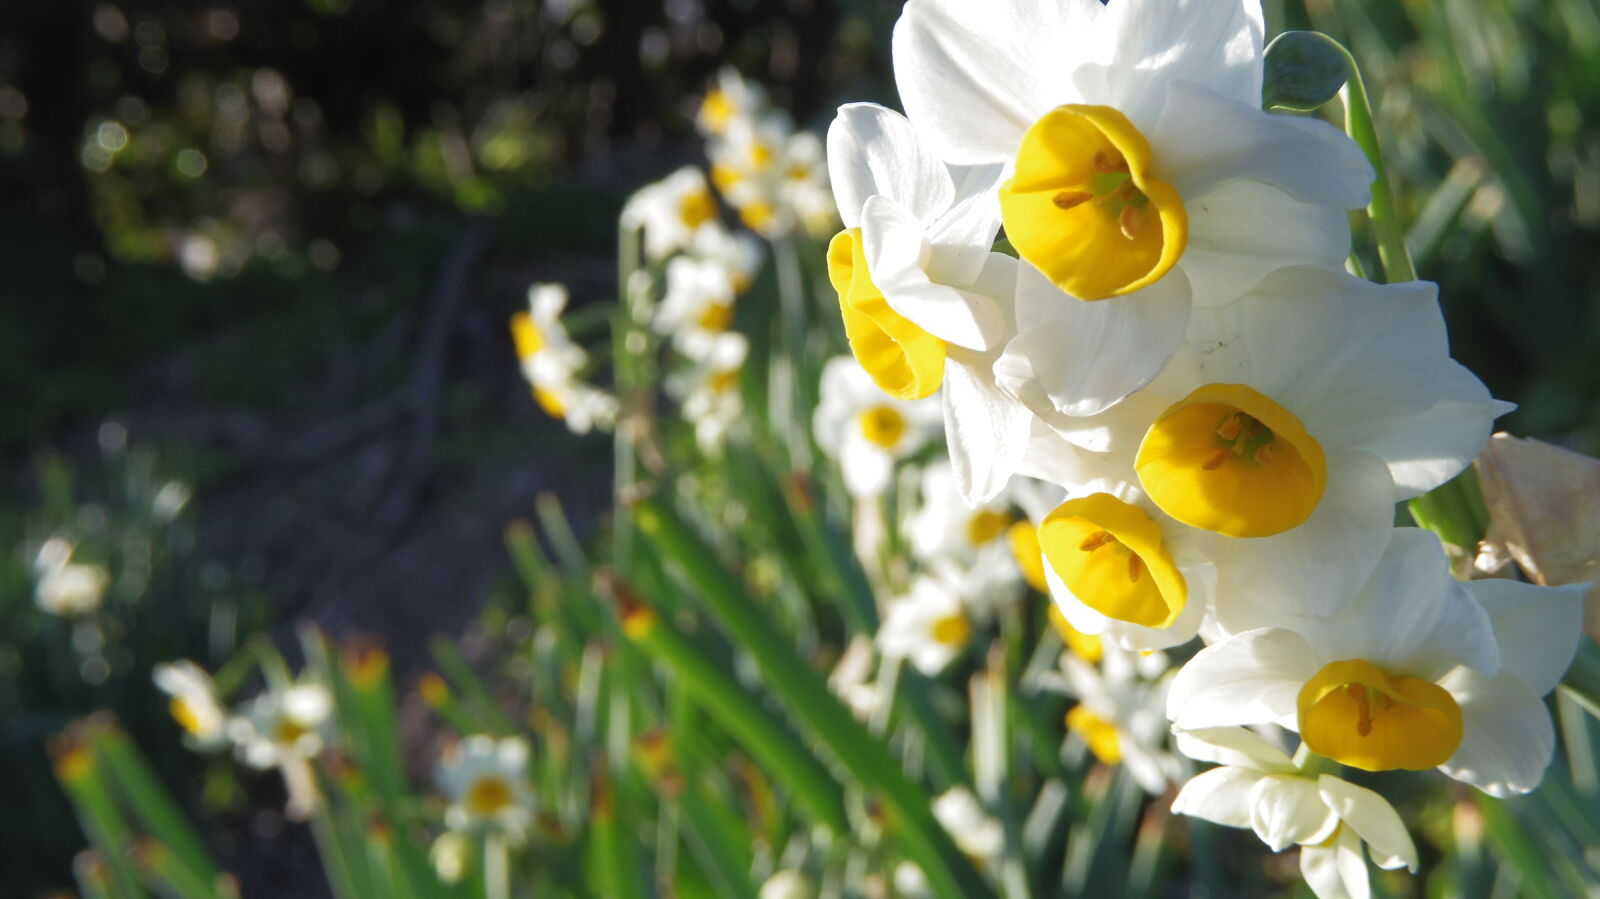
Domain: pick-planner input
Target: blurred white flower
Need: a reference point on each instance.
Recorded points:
(928, 626)
(865, 431)
(194, 703)
(709, 388)
(286, 727)
(977, 833)
(551, 363)
(671, 212)
(787, 884)
(486, 781)
(1121, 712)
(170, 500)
(66, 588)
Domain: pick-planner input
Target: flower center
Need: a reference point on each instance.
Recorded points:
(905, 361)
(550, 402)
(1100, 734)
(882, 425)
(1229, 459)
(488, 795)
(1111, 556)
(716, 317)
(723, 381)
(1083, 208)
(717, 110)
(697, 207)
(1354, 713)
(184, 713)
(289, 731)
(985, 525)
(951, 630)
(526, 336)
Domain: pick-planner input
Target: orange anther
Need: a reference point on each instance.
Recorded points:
(1068, 199)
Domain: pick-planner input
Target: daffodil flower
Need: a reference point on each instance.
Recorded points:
(1257, 786)
(865, 431)
(1120, 712)
(551, 362)
(486, 781)
(194, 704)
(670, 212)
(1143, 175)
(1412, 674)
(1288, 426)
(928, 626)
(925, 302)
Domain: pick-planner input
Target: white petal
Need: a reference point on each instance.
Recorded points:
(1373, 819)
(1337, 871)
(1286, 809)
(1437, 444)
(1507, 739)
(1411, 617)
(1251, 678)
(1537, 628)
(963, 234)
(1087, 356)
(1315, 568)
(866, 467)
(875, 151)
(897, 250)
(974, 79)
(1203, 139)
(1243, 230)
(1221, 796)
(1155, 42)
(1234, 746)
(987, 430)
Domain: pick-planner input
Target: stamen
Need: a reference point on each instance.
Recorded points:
(1217, 458)
(1109, 162)
(1363, 698)
(1264, 454)
(1095, 541)
(1135, 567)
(1068, 199)
(1130, 221)
(1231, 426)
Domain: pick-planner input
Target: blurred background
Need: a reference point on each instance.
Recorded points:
(259, 257)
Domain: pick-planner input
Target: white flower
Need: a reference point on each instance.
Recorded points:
(787, 884)
(709, 389)
(72, 589)
(922, 296)
(927, 626)
(194, 703)
(551, 362)
(1412, 674)
(283, 723)
(486, 781)
(671, 212)
(966, 545)
(1289, 425)
(977, 833)
(699, 297)
(1120, 713)
(731, 99)
(1259, 787)
(865, 431)
(1144, 175)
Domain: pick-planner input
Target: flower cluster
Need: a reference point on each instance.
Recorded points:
(1207, 418)
(552, 363)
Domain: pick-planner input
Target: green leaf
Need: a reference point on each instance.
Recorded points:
(1304, 69)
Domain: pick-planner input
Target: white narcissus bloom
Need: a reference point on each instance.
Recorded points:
(486, 781)
(1289, 425)
(194, 703)
(72, 589)
(699, 297)
(285, 728)
(787, 884)
(978, 834)
(968, 546)
(731, 98)
(709, 389)
(928, 626)
(1114, 564)
(671, 212)
(1144, 176)
(924, 300)
(865, 431)
(551, 363)
(1412, 674)
(1258, 786)
(1120, 712)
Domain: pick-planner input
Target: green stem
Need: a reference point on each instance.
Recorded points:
(1391, 238)
(1582, 682)
(496, 867)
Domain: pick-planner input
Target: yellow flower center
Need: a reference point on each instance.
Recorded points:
(526, 336)
(1229, 459)
(760, 155)
(1100, 734)
(488, 795)
(717, 111)
(985, 525)
(1030, 557)
(1085, 646)
(723, 381)
(1354, 713)
(289, 732)
(951, 630)
(697, 207)
(184, 713)
(1111, 556)
(882, 425)
(550, 402)
(757, 216)
(724, 176)
(716, 317)
(905, 361)
(1084, 209)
